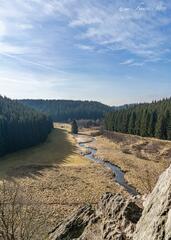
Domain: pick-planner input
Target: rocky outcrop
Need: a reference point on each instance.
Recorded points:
(74, 225)
(155, 223)
(113, 219)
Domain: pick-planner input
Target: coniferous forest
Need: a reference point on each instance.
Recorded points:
(147, 120)
(20, 126)
(68, 110)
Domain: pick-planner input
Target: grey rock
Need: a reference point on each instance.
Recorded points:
(113, 219)
(155, 223)
(74, 225)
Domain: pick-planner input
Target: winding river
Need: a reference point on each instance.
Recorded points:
(118, 173)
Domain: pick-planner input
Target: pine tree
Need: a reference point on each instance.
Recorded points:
(21, 126)
(168, 124)
(74, 127)
(147, 120)
(152, 124)
(169, 130)
(144, 123)
(131, 126)
(68, 110)
(161, 128)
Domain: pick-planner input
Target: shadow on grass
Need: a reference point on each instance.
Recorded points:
(31, 162)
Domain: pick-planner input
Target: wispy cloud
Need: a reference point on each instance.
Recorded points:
(23, 60)
(6, 48)
(127, 62)
(133, 62)
(137, 64)
(21, 84)
(25, 26)
(128, 25)
(2, 29)
(85, 47)
(80, 38)
(132, 27)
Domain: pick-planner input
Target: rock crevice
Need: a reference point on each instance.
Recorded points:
(113, 218)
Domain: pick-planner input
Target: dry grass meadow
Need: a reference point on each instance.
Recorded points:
(56, 177)
(142, 159)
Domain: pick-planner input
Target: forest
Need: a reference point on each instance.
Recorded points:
(68, 110)
(147, 120)
(20, 126)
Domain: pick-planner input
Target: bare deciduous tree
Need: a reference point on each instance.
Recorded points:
(20, 217)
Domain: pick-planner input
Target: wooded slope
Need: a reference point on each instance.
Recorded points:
(20, 126)
(67, 110)
(147, 120)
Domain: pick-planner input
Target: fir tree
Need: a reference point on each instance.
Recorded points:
(161, 131)
(131, 127)
(68, 110)
(21, 126)
(152, 124)
(74, 127)
(168, 124)
(147, 120)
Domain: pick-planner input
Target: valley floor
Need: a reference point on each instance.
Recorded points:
(57, 177)
(142, 159)
(60, 180)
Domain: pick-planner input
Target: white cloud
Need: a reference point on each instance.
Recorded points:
(137, 64)
(25, 26)
(85, 47)
(127, 62)
(2, 29)
(18, 84)
(136, 30)
(133, 62)
(6, 48)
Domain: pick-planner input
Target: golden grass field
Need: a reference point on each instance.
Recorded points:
(56, 176)
(58, 179)
(58, 149)
(142, 159)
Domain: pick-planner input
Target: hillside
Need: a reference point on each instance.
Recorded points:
(147, 120)
(66, 110)
(20, 126)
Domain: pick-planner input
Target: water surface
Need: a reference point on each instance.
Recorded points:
(118, 173)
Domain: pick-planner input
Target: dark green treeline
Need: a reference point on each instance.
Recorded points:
(21, 127)
(68, 110)
(147, 120)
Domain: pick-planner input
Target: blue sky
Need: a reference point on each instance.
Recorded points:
(111, 51)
